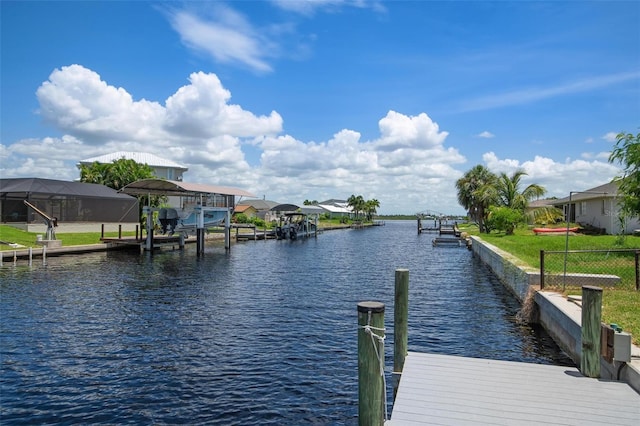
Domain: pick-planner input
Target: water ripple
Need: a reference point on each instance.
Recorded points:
(263, 334)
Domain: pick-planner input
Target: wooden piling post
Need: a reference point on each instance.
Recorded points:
(371, 394)
(149, 242)
(120, 231)
(400, 315)
(419, 226)
(591, 318)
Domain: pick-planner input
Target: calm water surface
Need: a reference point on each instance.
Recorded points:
(263, 334)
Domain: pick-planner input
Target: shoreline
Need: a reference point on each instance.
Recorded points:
(560, 317)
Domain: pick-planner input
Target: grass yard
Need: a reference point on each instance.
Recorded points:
(9, 234)
(621, 304)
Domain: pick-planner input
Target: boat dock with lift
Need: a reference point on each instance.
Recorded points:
(448, 233)
(201, 208)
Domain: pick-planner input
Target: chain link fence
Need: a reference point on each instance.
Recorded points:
(603, 268)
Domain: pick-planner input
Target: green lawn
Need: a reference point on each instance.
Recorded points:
(621, 305)
(9, 234)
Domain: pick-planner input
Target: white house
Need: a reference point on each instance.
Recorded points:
(162, 168)
(336, 208)
(598, 207)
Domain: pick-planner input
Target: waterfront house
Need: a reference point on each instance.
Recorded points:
(263, 208)
(598, 209)
(336, 208)
(246, 209)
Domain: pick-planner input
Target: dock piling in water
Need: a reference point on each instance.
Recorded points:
(400, 333)
(371, 381)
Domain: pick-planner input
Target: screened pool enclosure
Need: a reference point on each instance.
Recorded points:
(69, 202)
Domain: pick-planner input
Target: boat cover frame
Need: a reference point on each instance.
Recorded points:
(177, 188)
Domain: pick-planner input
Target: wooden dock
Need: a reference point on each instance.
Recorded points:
(453, 390)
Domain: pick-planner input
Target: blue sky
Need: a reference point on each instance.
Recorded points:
(296, 100)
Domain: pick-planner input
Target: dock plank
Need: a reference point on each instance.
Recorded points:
(451, 390)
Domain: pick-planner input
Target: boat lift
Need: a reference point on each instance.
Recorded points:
(170, 188)
(51, 222)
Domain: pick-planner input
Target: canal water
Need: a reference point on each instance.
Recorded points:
(265, 333)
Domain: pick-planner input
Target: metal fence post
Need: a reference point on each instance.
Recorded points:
(541, 269)
(637, 270)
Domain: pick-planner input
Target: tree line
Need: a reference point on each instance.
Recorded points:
(359, 206)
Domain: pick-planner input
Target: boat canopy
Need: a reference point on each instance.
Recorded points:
(292, 208)
(172, 187)
(285, 208)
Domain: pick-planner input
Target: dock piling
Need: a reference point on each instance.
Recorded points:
(371, 381)
(400, 333)
(591, 318)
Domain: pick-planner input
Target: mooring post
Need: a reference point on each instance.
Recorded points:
(120, 231)
(400, 315)
(419, 226)
(102, 231)
(30, 255)
(591, 318)
(371, 393)
(227, 231)
(149, 242)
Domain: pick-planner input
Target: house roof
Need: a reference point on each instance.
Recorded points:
(172, 187)
(608, 190)
(20, 187)
(312, 209)
(334, 202)
(335, 209)
(259, 204)
(285, 208)
(139, 157)
(541, 203)
(242, 208)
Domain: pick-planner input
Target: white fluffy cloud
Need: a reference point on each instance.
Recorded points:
(558, 178)
(408, 167)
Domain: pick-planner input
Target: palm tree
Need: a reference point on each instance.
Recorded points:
(509, 194)
(475, 194)
(357, 203)
(509, 197)
(371, 207)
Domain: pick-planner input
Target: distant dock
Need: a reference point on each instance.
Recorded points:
(452, 390)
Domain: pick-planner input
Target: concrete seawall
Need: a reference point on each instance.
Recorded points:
(560, 317)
